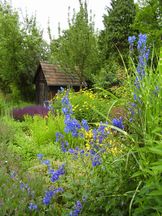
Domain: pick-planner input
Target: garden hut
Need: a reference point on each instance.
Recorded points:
(48, 80)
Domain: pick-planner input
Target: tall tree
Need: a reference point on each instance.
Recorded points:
(118, 26)
(21, 47)
(10, 44)
(76, 50)
(149, 20)
(34, 49)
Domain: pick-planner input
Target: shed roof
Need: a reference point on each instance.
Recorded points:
(55, 77)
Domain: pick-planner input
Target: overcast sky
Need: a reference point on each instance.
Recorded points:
(57, 11)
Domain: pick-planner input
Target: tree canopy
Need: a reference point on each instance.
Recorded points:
(76, 51)
(21, 48)
(93, 57)
(118, 26)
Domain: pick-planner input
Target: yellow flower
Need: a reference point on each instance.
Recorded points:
(88, 134)
(88, 146)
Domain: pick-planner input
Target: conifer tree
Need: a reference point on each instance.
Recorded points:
(118, 26)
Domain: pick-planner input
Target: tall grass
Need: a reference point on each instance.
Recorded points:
(145, 107)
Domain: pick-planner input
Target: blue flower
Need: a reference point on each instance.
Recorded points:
(71, 151)
(92, 152)
(96, 160)
(81, 151)
(85, 124)
(77, 209)
(94, 134)
(33, 206)
(64, 146)
(142, 41)
(65, 110)
(49, 194)
(72, 126)
(65, 100)
(57, 190)
(143, 55)
(118, 123)
(47, 198)
(46, 162)
(40, 156)
(56, 174)
(131, 40)
(59, 136)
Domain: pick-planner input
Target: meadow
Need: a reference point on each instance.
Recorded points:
(90, 153)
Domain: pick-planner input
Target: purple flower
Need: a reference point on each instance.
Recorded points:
(96, 160)
(40, 156)
(59, 136)
(77, 209)
(81, 151)
(49, 194)
(56, 174)
(72, 126)
(65, 100)
(142, 41)
(131, 40)
(65, 110)
(143, 55)
(46, 162)
(57, 190)
(71, 151)
(118, 123)
(85, 124)
(18, 114)
(33, 206)
(47, 198)
(64, 146)
(94, 134)
(92, 152)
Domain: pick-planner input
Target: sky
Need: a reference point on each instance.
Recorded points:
(56, 11)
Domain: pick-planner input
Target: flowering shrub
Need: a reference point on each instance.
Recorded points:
(85, 105)
(19, 114)
(93, 169)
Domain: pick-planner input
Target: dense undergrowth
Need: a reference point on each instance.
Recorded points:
(91, 154)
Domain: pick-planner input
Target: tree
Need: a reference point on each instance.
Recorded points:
(34, 49)
(149, 20)
(76, 50)
(21, 48)
(10, 44)
(118, 26)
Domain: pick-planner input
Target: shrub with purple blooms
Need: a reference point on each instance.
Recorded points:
(20, 113)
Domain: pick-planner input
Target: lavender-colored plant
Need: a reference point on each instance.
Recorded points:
(19, 114)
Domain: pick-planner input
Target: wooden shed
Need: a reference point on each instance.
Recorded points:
(48, 80)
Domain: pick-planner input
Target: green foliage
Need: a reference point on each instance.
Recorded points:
(128, 180)
(117, 23)
(43, 129)
(29, 138)
(160, 61)
(76, 50)
(87, 105)
(107, 189)
(105, 77)
(19, 54)
(149, 21)
(145, 129)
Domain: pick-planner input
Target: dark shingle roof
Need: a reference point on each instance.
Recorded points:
(55, 77)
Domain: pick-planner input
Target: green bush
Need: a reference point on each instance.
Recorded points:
(86, 105)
